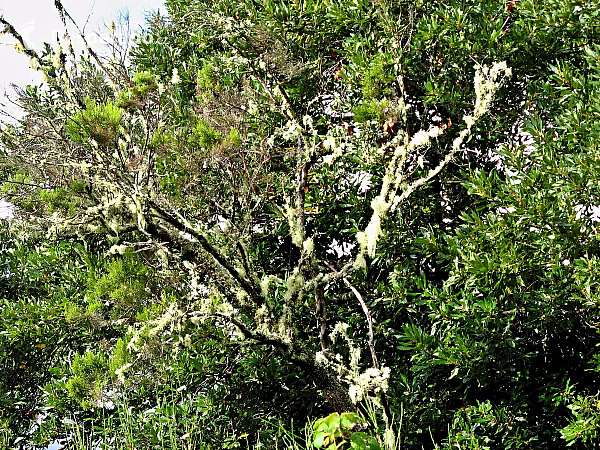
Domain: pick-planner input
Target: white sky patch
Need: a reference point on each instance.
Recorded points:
(508, 210)
(6, 210)
(362, 180)
(38, 22)
(591, 212)
(340, 248)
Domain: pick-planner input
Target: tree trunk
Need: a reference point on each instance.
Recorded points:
(335, 392)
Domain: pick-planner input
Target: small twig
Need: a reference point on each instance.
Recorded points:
(254, 335)
(369, 321)
(27, 50)
(64, 13)
(61, 13)
(26, 184)
(365, 309)
(321, 313)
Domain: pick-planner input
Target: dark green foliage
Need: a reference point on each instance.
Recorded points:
(124, 286)
(37, 279)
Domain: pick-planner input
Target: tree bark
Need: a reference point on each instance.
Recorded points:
(326, 381)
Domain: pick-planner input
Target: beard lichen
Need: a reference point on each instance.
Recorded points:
(372, 382)
(487, 81)
(309, 246)
(296, 230)
(295, 282)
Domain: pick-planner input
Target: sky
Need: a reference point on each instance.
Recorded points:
(38, 22)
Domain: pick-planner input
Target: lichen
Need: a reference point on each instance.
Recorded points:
(265, 284)
(296, 230)
(291, 130)
(168, 320)
(120, 372)
(336, 148)
(262, 318)
(309, 246)
(56, 58)
(487, 81)
(360, 263)
(307, 121)
(175, 78)
(284, 325)
(372, 381)
(118, 249)
(294, 283)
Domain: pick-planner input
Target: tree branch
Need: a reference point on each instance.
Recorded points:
(253, 292)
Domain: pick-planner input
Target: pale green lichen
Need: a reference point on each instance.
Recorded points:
(186, 340)
(296, 230)
(309, 246)
(341, 329)
(360, 263)
(423, 138)
(118, 249)
(265, 284)
(294, 283)
(262, 318)
(252, 107)
(56, 58)
(241, 271)
(175, 78)
(307, 121)
(371, 381)
(170, 319)
(226, 309)
(291, 130)
(389, 438)
(120, 372)
(368, 239)
(284, 325)
(487, 81)
(286, 108)
(336, 148)
(283, 329)
(241, 297)
(486, 84)
(163, 257)
(330, 143)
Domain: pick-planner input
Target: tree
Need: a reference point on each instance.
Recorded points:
(305, 174)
